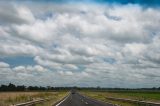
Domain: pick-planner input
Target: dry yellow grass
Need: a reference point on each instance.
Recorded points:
(8, 98)
(53, 99)
(11, 95)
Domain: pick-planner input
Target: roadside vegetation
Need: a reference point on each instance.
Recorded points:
(9, 98)
(54, 99)
(13, 94)
(153, 96)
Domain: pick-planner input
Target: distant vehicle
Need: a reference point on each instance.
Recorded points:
(73, 91)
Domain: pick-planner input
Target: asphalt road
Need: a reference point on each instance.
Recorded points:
(79, 100)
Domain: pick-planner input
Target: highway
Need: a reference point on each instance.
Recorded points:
(76, 99)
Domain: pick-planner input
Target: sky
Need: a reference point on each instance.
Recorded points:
(84, 43)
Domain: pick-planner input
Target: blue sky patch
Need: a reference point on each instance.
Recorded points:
(19, 60)
(140, 2)
(109, 60)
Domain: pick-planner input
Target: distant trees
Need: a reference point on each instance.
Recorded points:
(12, 87)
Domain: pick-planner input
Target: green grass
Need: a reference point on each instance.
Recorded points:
(137, 95)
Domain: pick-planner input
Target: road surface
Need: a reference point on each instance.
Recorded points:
(77, 99)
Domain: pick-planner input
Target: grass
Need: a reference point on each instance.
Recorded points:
(137, 95)
(53, 99)
(9, 98)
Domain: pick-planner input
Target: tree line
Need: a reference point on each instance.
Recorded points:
(12, 87)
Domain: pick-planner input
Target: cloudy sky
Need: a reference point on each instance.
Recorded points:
(107, 43)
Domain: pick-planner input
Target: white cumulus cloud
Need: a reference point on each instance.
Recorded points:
(80, 45)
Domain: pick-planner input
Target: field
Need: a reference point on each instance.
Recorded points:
(9, 98)
(136, 95)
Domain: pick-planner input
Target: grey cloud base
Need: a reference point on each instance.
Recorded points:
(81, 45)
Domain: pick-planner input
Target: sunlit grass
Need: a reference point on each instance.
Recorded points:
(53, 99)
(9, 98)
(136, 95)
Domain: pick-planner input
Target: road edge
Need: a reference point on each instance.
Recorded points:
(93, 99)
(61, 100)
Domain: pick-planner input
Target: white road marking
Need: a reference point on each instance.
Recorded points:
(62, 101)
(86, 103)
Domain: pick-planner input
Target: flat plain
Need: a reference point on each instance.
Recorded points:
(9, 98)
(150, 96)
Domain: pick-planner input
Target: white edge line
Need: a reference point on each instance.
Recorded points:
(62, 100)
(86, 102)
